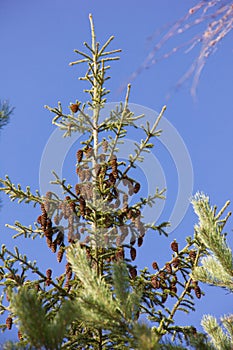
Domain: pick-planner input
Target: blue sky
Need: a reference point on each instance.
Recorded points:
(37, 43)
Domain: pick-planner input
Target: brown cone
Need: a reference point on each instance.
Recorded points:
(9, 322)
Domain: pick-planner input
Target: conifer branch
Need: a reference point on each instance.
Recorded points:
(213, 273)
(82, 123)
(29, 265)
(165, 323)
(216, 268)
(144, 144)
(5, 113)
(209, 231)
(35, 324)
(96, 293)
(120, 132)
(227, 322)
(219, 339)
(17, 193)
(60, 182)
(26, 231)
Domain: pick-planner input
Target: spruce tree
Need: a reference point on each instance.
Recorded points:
(101, 300)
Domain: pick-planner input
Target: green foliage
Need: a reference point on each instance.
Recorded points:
(220, 340)
(5, 113)
(209, 230)
(95, 298)
(114, 311)
(129, 298)
(39, 327)
(216, 267)
(16, 192)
